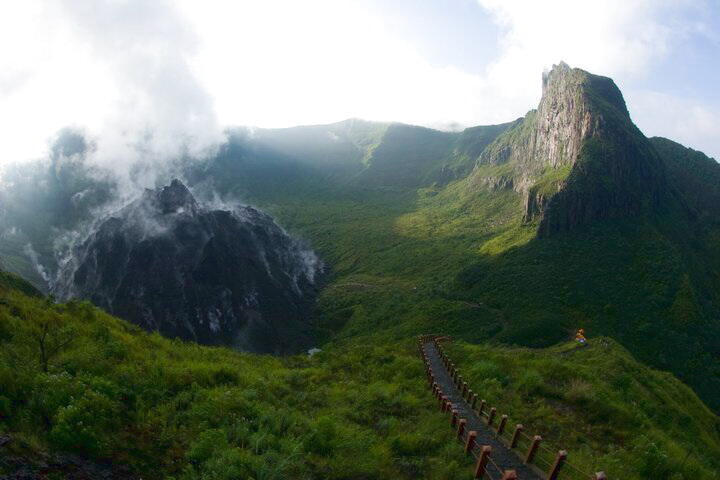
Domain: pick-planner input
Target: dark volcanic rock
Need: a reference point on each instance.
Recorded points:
(217, 277)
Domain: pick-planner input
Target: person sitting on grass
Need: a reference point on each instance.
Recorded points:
(580, 337)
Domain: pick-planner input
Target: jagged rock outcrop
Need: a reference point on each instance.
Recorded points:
(578, 157)
(220, 277)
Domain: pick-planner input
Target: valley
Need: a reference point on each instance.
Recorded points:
(508, 238)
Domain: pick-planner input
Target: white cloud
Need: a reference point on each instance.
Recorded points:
(43, 81)
(119, 68)
(161, 109)
(282, 63)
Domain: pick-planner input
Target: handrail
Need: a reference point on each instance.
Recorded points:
(557, 469)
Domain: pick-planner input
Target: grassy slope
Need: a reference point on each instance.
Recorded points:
(629, 420)
(358, 410)
(172, 409)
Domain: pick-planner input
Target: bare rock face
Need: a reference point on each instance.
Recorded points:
(578, 157)
(552, 135)
(218, 277)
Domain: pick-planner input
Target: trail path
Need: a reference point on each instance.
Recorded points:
(502, 457)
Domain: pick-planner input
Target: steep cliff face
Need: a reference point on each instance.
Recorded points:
(217, 277)
(578, 157)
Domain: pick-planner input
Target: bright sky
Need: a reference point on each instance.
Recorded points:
(184, 69)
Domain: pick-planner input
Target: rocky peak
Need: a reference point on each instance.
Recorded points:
(564, 118)
(221, 277)
(174, 198)
(580, 138)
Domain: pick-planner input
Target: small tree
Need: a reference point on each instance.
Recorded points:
(51, 336)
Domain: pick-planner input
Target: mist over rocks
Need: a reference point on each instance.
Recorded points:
(216, 276)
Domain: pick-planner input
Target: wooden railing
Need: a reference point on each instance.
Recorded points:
(548, 463)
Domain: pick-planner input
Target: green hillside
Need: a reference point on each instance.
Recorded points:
(620, 237)
(618, 414)
(159, 408)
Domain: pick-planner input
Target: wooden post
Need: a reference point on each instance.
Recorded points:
(509, 475)
(470, 444)
(600, 476)
(533, 449)
(516, 435)
(461, 429)
(491, 416)
(482, 405)
(557, 465)
(465, 390)
(482, 461)
(474, 400)
(501, 426)
(454, 418)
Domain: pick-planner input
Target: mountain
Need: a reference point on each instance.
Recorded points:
(218, 277)
(695, 175)
(618, 232)
(578, 157)
(517, 233)
(353, 153)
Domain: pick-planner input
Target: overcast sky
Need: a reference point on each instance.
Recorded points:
(184, 69)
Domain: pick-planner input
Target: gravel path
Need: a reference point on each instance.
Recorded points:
(502, 456)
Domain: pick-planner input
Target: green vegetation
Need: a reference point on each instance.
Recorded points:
(619, 416)
(360, 409)
(108, 391)
(457, 259)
